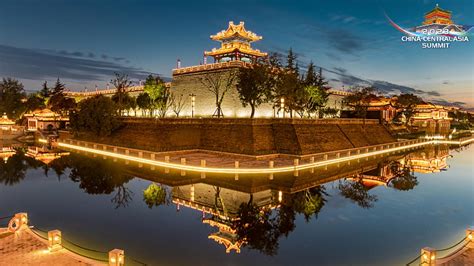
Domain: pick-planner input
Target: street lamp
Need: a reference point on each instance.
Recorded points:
(193, 103)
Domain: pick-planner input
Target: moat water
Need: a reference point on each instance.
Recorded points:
(375, 212)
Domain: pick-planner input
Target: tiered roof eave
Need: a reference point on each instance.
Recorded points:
(236, 31)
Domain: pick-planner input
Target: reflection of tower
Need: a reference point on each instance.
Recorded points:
(225, 236)
(432, 159)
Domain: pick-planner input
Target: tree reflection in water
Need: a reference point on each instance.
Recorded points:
(156, 195)
(100, 177)
(403, 178)
(261, 228)
(13, 170)
(357, 192)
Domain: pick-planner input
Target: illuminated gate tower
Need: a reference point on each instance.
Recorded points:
(234, 54)
(439, 19)
(438, 16)
(235, 45)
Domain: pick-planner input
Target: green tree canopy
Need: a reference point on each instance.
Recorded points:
(255, 85)
(155, 195)
(144, 102)
(97, 115)
(34, 101)
(12, 94)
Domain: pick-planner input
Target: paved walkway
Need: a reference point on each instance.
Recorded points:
(23, 248)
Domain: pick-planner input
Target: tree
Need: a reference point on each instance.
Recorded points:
(289, 87)
(291, 61)
(34, 101)
(12, 95)
(144, 102)
(132, 103)
(219, 84)
(274, 60)
(308, 202)
(163, 103)
(97, 115)
(121, 83)
(310, 78)
(57, 101)
(178, 102)
(13, 170)
(256, 227)
(45, 92)
(358, 193)
(315, 100)
(360, 99)
(254, 85)
(403, 179)
(159, 94)
(126, 100)
(407, 102)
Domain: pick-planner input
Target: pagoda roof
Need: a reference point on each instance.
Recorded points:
(243, 50)
(437, 8)
(4, 120)
(236, 31)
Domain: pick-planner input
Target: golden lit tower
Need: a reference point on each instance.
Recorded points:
(438, 16)
(235, 45)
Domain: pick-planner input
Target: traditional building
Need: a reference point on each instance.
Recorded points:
(432, 119)
(6, 123)
(235, 45)
(235, 53)
(6, 152)
(44, 154)
(432, 159)
(438, 20)
(438, 16)
(45, 119)
(378, 107)
(8, 129)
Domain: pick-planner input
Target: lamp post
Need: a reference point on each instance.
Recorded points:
(193, 103)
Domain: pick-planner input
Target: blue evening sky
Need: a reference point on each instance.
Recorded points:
(84, 42)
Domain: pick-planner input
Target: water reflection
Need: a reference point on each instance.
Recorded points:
(252, 212)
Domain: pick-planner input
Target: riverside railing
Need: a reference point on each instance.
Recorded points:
(56, 241)
(308, 161)
(429, 256)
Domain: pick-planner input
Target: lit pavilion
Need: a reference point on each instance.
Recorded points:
(439, 19)
(235, 45)
(438, 16)
(6, 123)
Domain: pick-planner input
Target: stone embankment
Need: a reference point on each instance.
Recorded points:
(247, 136)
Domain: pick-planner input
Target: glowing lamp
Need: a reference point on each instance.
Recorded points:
(116, 257)
(54, 240)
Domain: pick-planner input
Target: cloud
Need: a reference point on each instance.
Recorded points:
(338, 39)
(344, 41)
(448, 103)
(382, 86)
(37, 64)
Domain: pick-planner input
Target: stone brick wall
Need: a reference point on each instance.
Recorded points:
(186, 84)
(248, 136)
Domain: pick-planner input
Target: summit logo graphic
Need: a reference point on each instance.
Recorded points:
(437, 31)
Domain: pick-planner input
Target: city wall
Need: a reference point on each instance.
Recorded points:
(247, 136)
